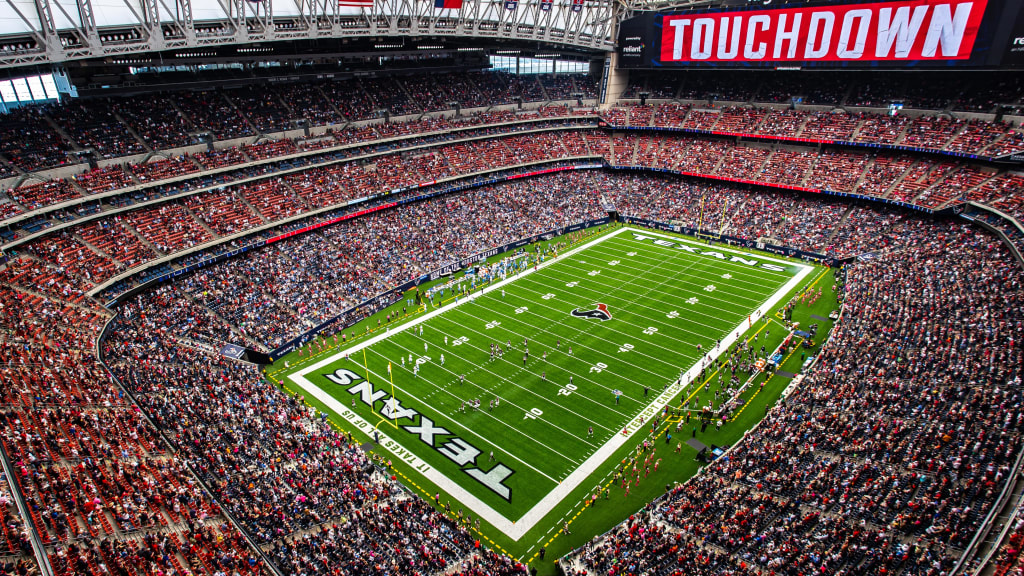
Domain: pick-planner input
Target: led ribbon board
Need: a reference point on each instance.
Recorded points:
(936, 33)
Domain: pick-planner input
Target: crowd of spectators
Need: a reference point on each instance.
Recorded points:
(921, 176)
(263, 108)
(847, 475)
(433, 96)
(269, 297)
(883, 173)
(865, 229)
(389, 96)
(29, 142)
(877, 523)
(321, 506)
(111, 245)
(93, 124)
(164, 169)
(15, 544)
(114, 240)
(319, 501)
(930, 132)
(786, 123)
(210, 112)
(930, 182)
(132, 124)
(837, 171)
(49, 281)
(970, 92)
(225, 213)
(961, 182)
(268, 149)
(9, 208)
(220, 158)
(308, 100)
(67, 254)
(233, 209)
(1002, 192)
(670, 115)
(7, 170)
(699, 156)
(788, 166)
(156, 120)
(305, 490)
(38, 195)
(103, 179)
(1007, 561)
(832, 229)
(739, 120)
(168, 227)
(102, 491)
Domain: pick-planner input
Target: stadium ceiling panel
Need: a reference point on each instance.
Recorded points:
(55, 31)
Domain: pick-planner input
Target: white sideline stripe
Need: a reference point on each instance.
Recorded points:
(516, 529)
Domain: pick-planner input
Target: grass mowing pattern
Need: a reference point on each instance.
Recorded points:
(662, 307)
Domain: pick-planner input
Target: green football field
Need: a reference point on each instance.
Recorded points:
(595, 343)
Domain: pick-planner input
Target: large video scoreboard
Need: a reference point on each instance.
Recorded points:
(909, 33)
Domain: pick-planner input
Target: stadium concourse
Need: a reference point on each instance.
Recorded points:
(887, 459)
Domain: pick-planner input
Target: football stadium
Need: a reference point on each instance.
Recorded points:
(511, 287)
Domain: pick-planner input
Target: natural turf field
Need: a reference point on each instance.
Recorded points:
(662, 296)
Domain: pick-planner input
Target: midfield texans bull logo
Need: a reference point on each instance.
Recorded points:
(600, 313)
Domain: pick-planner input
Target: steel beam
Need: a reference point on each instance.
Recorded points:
(156, 25)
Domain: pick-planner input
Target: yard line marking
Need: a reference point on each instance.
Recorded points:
(489, 415)
(701, 292)
(691, 262)
(698, 287)
(539, 359)
(739, 271)
(578, 344)
(552, 424)
(607, 296)
(629, 303)
(585, 286)
(582, 377)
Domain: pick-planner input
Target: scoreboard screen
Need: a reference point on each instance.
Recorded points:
(909, 33)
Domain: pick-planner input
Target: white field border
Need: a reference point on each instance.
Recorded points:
(517, 528)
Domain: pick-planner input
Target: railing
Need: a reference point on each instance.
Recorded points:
(37, 544)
